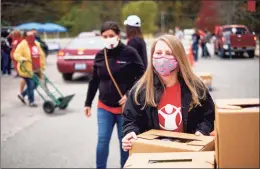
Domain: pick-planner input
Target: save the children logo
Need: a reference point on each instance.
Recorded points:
(35, 51)
(170, 117)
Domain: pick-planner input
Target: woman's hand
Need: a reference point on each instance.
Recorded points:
(213, 133)
(87, 111)
(126, 141)
(198, 133)
(122, 100)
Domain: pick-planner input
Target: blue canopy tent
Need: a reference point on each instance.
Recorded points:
(44, 28)
(30, 26)
(52, 27)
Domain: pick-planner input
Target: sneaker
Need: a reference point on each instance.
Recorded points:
(21, 98)
(33, 105)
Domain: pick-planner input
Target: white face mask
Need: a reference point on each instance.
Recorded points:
(111, 43)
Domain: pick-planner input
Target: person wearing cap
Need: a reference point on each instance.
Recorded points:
(135, 37)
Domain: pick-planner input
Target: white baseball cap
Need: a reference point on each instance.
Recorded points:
(133, 20)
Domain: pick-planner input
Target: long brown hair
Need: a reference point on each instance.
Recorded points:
(195, 85)
(132, 31)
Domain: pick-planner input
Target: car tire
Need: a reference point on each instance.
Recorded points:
(251, 53)
(67, 76)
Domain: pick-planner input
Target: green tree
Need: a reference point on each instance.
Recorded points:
(146, 10)
(81, 18)
(236, 12)
(178, 13)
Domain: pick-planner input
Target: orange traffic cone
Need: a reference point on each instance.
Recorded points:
(191, 57)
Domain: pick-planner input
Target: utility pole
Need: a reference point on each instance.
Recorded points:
(162, 21)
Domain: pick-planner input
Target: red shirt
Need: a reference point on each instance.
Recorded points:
(35, 54)
(114, 110)
(169, 109)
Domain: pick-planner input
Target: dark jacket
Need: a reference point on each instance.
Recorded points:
(200, 118)
(139, 45)
(126, 67)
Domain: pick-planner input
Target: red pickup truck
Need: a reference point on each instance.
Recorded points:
(241, 40)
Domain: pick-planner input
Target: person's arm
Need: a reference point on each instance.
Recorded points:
(131, 116)
(92, 88)
(18, 53)
(208, 109)
(42, 57)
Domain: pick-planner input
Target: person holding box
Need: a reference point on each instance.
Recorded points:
(169, 96)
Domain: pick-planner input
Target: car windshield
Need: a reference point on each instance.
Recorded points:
(86, 43)
(238, 30)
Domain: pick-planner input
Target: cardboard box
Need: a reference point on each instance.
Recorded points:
(237, 133)
(154, 141)
(206, 78)
(171, 160)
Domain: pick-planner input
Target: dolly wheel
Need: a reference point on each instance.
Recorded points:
(48, 107)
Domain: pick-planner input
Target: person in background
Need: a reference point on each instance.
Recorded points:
(213, 41)
(169, 96)
(126, 67)
(42, 43)
(195, 44)
(17, 37)
(178, 33)
(227, 43)
(30, 54)
(135, 37)
(206, 40)
(5, 55)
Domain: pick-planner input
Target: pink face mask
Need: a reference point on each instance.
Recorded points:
(164, 66)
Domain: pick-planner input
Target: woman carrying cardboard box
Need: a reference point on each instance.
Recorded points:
(169, 96)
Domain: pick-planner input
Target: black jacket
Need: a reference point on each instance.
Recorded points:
(126, 67)
(139, 45)
(198, 119)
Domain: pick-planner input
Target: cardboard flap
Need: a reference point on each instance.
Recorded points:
(170, 134)
(228, 107)
(147, 136)
(197, 143)
(239, 102)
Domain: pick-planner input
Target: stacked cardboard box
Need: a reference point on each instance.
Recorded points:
(237, 133)
(236, 141)
(171, 160)
(166, 141)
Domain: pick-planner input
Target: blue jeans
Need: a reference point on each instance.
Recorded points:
(106, 122)
(195, 49)
(6, 59)
(30, 89)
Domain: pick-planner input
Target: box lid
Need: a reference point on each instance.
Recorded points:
(238, 102)
(177, 140)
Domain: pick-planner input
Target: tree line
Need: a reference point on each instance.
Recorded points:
(156, 16)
